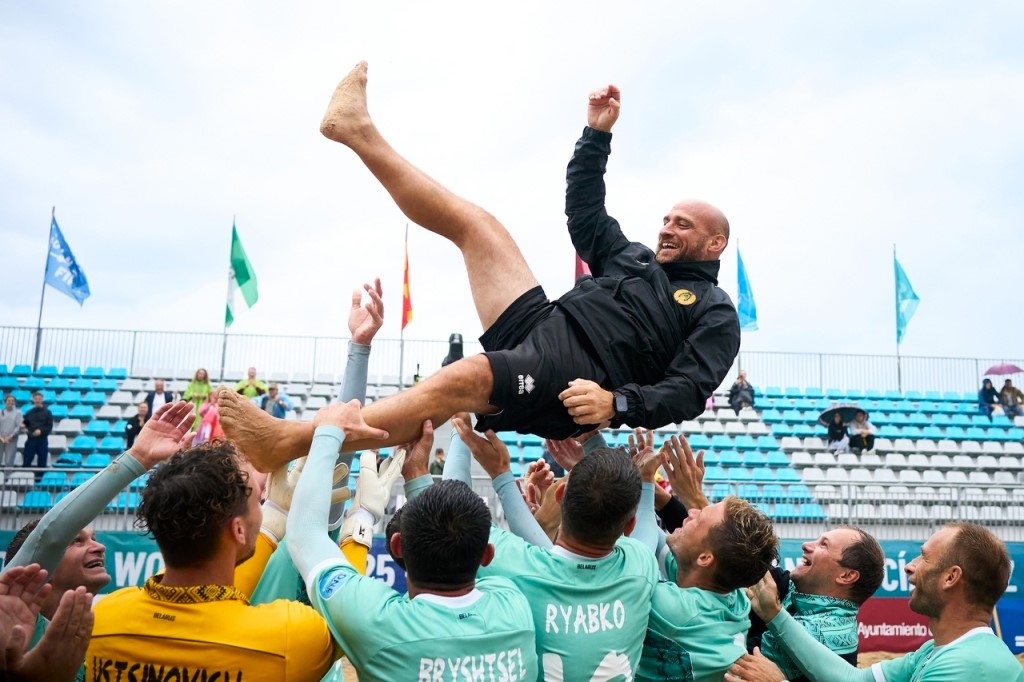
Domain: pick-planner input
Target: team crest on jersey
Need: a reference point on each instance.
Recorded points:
(685, 297)
(332, 582)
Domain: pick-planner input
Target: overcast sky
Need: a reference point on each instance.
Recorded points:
(827, 132)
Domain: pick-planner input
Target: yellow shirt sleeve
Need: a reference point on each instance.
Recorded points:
(249, 572)
(356, 555)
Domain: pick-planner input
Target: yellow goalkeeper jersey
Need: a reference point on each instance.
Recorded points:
(205, 632)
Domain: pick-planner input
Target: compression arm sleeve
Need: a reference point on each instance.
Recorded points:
(520, 520)
(308, 542)
(417, 485)
(47, 543)
(456, 465)
(646, 529)
(813, 657)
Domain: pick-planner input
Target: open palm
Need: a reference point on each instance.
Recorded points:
(167, 432)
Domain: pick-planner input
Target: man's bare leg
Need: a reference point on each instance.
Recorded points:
(498, 273)
(463, 386)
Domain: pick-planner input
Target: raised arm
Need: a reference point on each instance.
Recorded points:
(161, 437)
(308, 542)
(595, 235)
(493, 456)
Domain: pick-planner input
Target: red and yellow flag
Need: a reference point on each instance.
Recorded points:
(406, 299)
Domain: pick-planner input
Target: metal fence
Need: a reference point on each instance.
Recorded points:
(178, 354)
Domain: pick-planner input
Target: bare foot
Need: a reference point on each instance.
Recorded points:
(266, 442)
(347, 115)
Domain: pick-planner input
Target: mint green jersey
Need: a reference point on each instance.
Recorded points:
(590, 614)
(485, 635)
(693, 635)
(977, 656)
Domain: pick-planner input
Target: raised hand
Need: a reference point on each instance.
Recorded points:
(549, 514)
(167, 432)
(641, 450)
(603, 108)
(417, 454)
(567, 453)
(61, 651)
(281, 487)
(349, 418)
(374, 487)
(685, 474)
(539, 478)
(365, 319)
(764, 598)
(22, 592)
(490, 452)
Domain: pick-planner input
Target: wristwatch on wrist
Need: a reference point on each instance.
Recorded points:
(621, 405)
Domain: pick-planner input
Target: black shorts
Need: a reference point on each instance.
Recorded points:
(534, 351)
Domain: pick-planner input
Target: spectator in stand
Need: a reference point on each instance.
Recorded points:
(961, 573)
(838, 437)
(38, 421)
(862, 433)
(135, 424)
(741, 394)
(159, 396)
(10, 425)
(274, 402)
(437, 466)
(197, 391)
(251, 387)
(988, 398)
(1013, 400)
(209, 420)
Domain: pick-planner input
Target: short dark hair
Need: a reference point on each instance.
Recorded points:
(394, 525)
(37, 393)
(444, 532)
(744, 545)
(19, 539)
(601, 497)
(189, 499)
(867, 558)
(984, 560)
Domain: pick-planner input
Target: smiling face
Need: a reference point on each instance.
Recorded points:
(692, 231)
(925, 574)
(690, 541)
(84, 564)
(9, 402)
(819, 567)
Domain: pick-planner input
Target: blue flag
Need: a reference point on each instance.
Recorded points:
(906, 300)
(62, 271)
(747, 307)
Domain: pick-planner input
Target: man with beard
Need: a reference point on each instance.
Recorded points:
(643, 342)
(961, 573)
(837, 573)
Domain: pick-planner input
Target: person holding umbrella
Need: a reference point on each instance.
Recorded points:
(838, 436)
(839, 421)
(988, 398)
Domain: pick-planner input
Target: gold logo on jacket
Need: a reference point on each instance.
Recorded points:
(685, 297)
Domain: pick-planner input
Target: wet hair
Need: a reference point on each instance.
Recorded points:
(444, 533)
(393, 526)
(867, 558)
(601, 497)
(190, 498)
(984, 560)
(744, 545)
(19, 539)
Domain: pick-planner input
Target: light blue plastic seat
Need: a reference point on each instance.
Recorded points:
(71, 371)
(94, 372)
(97, 427)
(799, 492)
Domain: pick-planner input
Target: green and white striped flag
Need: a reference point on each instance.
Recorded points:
(240, 277)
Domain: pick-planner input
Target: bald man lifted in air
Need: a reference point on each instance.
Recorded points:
(643, 342)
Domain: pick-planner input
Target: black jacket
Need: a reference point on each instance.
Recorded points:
(38, 418)
(168, 398)
(665, 334)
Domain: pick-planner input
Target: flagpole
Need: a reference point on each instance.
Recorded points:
(401, 331)
(224, 340)
(42, 295)
(899, 368)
